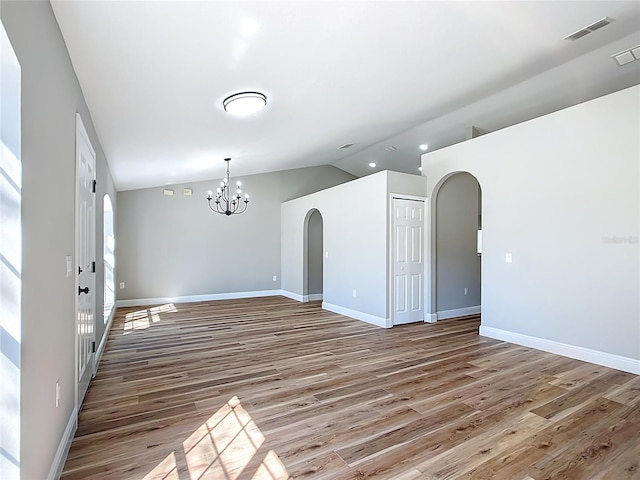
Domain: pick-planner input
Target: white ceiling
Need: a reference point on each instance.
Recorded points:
(374, 74)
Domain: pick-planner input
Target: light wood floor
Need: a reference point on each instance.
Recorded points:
(271, 388)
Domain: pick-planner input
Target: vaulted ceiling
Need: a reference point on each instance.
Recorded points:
(373, 74)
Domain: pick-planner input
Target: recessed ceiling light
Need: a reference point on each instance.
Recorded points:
(372, 165)
(424, 147)
(244, 103)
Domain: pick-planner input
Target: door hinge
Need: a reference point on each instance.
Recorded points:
(93, 267)
(93, 347)
(93, 187)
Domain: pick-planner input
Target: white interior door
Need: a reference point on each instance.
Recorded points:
(85, 261)
(408, 261)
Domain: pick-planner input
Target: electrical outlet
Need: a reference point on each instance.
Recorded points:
(275, 278)
(121, 285)
(57, 393)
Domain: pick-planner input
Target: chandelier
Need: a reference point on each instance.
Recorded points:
(225, 202)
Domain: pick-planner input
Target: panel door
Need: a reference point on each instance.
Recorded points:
(408, 261)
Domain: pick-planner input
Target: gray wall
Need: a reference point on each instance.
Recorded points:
(356, 240)
(314, 252)
(51, 96)
(561, 193)
(457, 262)
(170, 246)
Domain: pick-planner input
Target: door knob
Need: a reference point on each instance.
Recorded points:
(83, 290)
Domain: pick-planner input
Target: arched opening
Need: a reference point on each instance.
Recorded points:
(109, 258)
(458, 227)
(313, 256)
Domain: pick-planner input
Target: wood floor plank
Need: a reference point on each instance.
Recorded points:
(272, 388)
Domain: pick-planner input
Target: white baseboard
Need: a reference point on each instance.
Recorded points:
(458, 312)
(140, 302)
(610, 360)
(63, 448)
(301, 298)
(431, 317)
(292, 296)
(103, 342)
(365, 317)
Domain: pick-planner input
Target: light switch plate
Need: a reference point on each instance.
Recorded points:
(508, 258)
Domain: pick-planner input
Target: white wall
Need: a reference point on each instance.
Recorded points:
(174, 246)
(556, 191)
(356, 238)
(51, 96)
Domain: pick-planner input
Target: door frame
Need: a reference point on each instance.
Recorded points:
(426, 242)
(81, 133)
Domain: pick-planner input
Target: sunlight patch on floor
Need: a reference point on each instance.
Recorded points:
(165, 470)
(226, 443)
(143, 319)
(271, 468)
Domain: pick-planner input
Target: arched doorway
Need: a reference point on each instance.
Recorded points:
(313, 256)
(109, 258)
(458, 221)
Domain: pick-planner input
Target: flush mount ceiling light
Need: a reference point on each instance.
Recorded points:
(244, 103)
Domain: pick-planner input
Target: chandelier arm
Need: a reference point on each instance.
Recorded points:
(246, 204)
(212, 208)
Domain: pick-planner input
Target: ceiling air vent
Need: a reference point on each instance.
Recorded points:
(346, 145)
(603, 22)
(390, 148)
